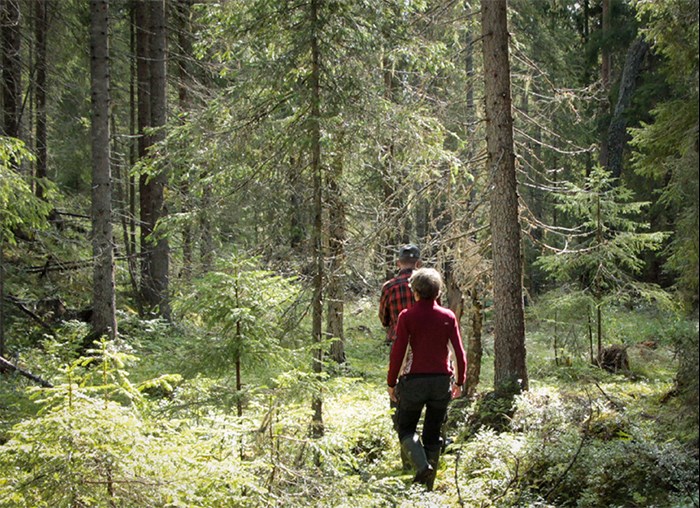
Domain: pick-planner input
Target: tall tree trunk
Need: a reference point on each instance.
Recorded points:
(151, 42)
(2, 298)
(40, 31)
(453, 293)
(143, 93)
(597, 290)
(617, 130)
(510, 372)
(336, 242)
(129, 198)
(392, 236)
(297, 226)
(474, 345)
(160, 261)
(103, 317)
(11, 67)
(605, 72)
(316, 169)
(606, 60)
(207, 246)
(183, 91)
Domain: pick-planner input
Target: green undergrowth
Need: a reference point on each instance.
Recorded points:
(141, 422)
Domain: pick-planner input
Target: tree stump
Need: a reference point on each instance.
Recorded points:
(614, 358)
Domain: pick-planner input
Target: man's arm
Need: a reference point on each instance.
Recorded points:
(384, 307)
(398, 351)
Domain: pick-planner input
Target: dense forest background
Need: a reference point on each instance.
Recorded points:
(199, 202)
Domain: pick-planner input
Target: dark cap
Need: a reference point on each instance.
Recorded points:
(409, 253)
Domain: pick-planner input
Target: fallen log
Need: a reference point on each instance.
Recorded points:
(8, 365)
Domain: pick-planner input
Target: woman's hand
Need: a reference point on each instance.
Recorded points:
(456, 391)
(391, 391)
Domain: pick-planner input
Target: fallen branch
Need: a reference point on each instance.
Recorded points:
(459, 491)
(52, 265)
(23, 308)
(513, 481)
(618, 406)
(59, 266)
(6, 364)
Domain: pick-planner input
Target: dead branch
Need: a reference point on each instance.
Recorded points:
(20, 305)
(614, 403)
(459, 491)
(6, 364)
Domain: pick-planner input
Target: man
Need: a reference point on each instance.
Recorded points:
(397, 296)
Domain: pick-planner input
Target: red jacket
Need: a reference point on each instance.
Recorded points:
(432, 332)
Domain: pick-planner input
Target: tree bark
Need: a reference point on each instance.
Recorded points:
(127, 188)
(160, 260)
(336, 243)
(143, 119)
(316, 169)
(183, 91)
(453, 293)
(605, 72)
(6, 365)
(207, 245)
(2, 297)
(510, 373)
(474, 345)
(151, 45)
(617, 130)
(392, 236)
(476, 315)
(11, 67)
(104, 307)
(40, 31)
(295, 200)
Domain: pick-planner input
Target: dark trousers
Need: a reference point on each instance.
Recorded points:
(416, 392)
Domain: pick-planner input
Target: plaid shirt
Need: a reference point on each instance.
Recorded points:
(396, 296)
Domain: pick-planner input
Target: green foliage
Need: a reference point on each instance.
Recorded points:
(605, 247)
(684, 337)
(106, 455)
(666, 148)
(489, 411)
(243, 153)
(573, 448)
(100, 438)
(20, 209)
(146, 420)
(602, 255)
(558, 315)
(239, 312)
(672, 27)
(667, 151)
(102, 373)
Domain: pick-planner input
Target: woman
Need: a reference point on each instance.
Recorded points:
(432, 334)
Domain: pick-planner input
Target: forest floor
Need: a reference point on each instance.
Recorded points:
(579, 436)
(483, 467)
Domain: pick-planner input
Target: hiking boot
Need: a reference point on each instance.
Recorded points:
(432, 453)
(414, 449)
